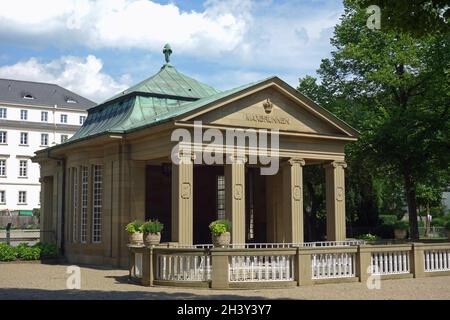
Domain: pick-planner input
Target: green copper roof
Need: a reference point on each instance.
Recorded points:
(169, 82)
(138, 112)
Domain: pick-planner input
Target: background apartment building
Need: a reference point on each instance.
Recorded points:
(33, 116)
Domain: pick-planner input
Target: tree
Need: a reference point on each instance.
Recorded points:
(394, 88)
(415, 17)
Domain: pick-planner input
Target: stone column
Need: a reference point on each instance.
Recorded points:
(335, 198)
(292, 171)
(182, 199)
(235, 197)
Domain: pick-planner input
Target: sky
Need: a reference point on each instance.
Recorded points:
(98, 48)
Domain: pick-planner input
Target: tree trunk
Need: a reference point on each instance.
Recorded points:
(410, 192)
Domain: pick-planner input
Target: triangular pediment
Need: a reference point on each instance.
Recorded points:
(270, 106)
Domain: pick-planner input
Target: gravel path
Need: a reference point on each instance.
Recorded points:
(39, 281)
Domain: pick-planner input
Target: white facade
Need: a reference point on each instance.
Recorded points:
(28, 129)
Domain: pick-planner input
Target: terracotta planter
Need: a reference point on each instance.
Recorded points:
(400, 234)
(222, 240)
(152, 239)
(136, 239)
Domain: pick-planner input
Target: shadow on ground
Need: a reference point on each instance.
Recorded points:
(154, 294)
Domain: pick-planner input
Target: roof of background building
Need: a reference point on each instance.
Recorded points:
(41, 94)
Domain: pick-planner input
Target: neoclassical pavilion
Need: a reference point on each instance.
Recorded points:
(118, 168)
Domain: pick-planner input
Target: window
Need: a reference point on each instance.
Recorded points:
(82, 119)
(84, 204)
(97, 204)
(22, 197)
(44, 139)
(28, 97)
(23, 114)
(3, 137)
(2, 168)
(23, 166)
(2, 196)
(24, 138)
(74, 204)
(64, 138)
(44, 116)
(64, 118)
(2, 113)
(71, 100)
(220, 197)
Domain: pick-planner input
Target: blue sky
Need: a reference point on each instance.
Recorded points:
(98, 48)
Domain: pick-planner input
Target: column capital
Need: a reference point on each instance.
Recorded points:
(184, 155)
(335, 164)
(236, 158)
(293, 161)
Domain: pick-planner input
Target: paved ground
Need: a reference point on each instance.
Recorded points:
(38, 281)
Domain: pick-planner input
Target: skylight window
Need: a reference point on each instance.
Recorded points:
(28, 96)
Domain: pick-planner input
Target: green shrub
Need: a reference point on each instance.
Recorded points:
(134, 227)
(368, 237)
(388, 219)
(48, 250)
(401, 225)
(447, 226)
(438, 222)
(7, 253)
(219, 226)
(30, 253)
(152, 226)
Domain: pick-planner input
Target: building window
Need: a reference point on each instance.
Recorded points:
(23, 168)
(3, 137)
(220, 198)
(84, 204)
(44, 139)
(64, 118)
(64, 138)
(82, 119)
(2, 168)
(22, 197)
(44, 116)
(97, 205)
(2, 113)
(71, 100)
(2, 196)
(23, 114)
(24, 138)
(28, 97)
(74, 204)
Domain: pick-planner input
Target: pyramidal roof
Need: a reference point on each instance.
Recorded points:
(170, 83)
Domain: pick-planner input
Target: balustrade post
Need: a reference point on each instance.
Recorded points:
(417, 260)
(364, 261)
(219, 269)
(148, 267)
(303, 267)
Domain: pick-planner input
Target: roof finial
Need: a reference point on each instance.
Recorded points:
(167, 52)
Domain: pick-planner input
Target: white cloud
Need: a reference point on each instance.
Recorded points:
(81, 75)
(127, 24)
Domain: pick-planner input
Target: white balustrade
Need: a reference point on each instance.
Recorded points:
(261, 268)
(437, 260)
(395, 262)
(137, 272)
(333, 265)
(179, 267)
(284, 245)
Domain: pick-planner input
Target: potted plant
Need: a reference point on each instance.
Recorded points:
(152, 232)
(220, 233)
(134, 230)
(400, 229)
(447, 228)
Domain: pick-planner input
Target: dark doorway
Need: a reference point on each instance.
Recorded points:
(207, 200)
(158, 201)
(255, 207)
